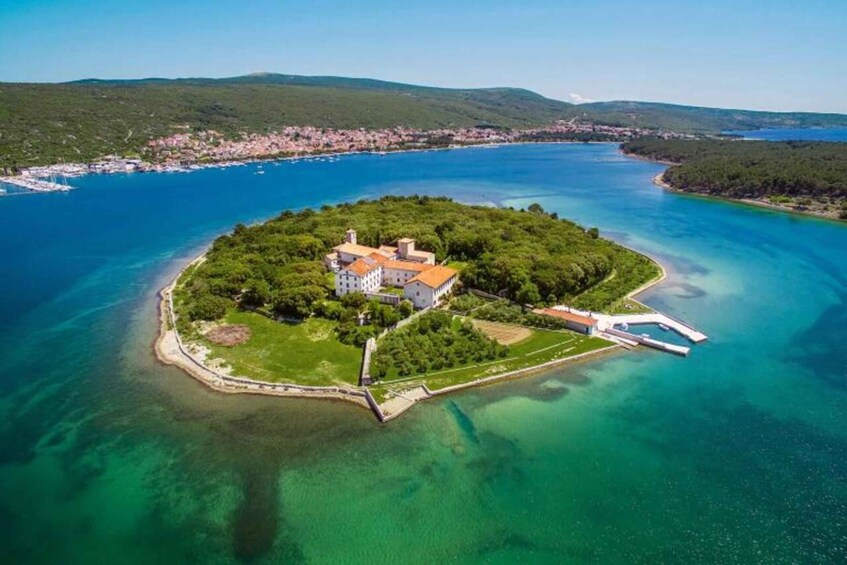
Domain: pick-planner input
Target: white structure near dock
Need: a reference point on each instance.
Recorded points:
(616, 327)
(359, 268)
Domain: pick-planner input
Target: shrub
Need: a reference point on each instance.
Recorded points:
(208, 307)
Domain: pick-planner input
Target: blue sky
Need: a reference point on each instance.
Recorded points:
(772, 55)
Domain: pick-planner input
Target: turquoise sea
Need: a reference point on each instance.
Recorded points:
(736, 454)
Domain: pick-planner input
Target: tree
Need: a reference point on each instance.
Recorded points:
(353, 300)
(256, 294)
(297, 301)
(593, 233)
(208, 307)
(528, 294)
(535, 208)
(406, 308)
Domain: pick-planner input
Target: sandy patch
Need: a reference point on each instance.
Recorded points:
(504, 334)
(228, 335)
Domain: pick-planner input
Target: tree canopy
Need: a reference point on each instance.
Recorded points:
(750, 169)
(528, 256)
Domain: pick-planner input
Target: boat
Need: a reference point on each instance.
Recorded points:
(259, 173)
(663, 327)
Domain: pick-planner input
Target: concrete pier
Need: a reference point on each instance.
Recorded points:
(679, 327)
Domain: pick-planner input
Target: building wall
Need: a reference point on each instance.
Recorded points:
(423, 296)
(419, 294)
(439, 293)
(397, 277)
(581, 328)
(346, 258)
(347, 281)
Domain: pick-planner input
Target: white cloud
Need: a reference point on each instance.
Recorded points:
(579, 99)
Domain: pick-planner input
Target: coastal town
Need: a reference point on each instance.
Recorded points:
(187, 151)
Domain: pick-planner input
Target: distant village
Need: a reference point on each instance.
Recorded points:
(307, 140)
(188, 151)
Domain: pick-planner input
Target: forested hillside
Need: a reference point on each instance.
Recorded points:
(802, 173)
(49, 123)
(695, 119)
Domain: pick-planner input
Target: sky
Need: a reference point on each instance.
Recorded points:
(751, 54)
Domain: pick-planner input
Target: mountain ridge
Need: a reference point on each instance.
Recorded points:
(86, 119)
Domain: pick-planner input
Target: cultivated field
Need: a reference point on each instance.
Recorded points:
(505, 334)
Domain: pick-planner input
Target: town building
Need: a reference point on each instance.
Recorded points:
(359, 268)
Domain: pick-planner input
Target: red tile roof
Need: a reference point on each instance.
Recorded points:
(569, 316)
(365, 265)
(434, 277)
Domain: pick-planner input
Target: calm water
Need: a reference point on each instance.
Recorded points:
(736, 454)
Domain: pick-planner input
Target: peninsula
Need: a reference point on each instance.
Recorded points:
(388, 302)
(796, 176)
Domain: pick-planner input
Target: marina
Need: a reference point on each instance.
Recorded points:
(35, 184)
(619, 328)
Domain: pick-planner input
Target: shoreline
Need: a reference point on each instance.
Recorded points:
(659, 181)
(169, 349)
(242, 162)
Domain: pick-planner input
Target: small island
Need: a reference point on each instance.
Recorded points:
(388, 302)
(808, 177)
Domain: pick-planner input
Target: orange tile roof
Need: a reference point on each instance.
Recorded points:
(406, 265)
(434, 277)
(355, 249)
(363, 266)
(569, 316)
(378, 257)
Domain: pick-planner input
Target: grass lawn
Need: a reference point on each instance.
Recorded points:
(629, 306)
(306, 353)
(392, 290)
(540, 347)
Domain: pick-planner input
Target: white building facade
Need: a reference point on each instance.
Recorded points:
(366, 269)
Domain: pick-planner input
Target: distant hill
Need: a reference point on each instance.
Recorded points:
(83, 120)
(46, 123)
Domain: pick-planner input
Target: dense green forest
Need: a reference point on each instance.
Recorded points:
(528, 256)
(800, 171)
(82, 121)
(696, 119)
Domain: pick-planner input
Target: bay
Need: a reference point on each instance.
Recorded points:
(737, 453)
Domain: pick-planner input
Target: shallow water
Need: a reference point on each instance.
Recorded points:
(737, 453)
